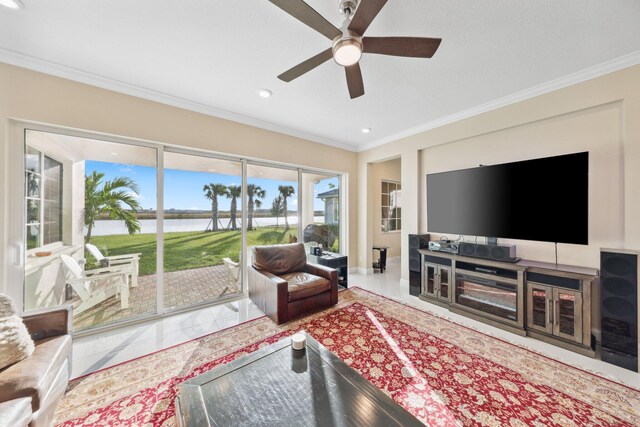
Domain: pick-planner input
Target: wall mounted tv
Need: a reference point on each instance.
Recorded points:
(543, 199)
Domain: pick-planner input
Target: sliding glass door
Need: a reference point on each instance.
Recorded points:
(124, 230)
(202, 229)
(90, 228)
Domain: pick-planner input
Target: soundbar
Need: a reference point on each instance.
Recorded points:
(506, 253)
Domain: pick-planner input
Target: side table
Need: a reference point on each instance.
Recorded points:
(381, 262)
(332, 260)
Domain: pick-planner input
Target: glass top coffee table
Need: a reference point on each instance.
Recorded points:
(279, 386)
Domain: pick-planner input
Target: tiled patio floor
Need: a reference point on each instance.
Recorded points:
(182, 288)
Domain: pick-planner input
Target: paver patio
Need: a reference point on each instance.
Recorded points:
(182, 288)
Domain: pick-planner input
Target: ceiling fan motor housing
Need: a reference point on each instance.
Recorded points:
(347, 7)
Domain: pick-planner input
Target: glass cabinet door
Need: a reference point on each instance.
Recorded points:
(429, 279)
(445, 280)
(567, 314)
(540, 301)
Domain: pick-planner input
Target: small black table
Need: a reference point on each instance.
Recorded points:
(381, 262)
(332, 260)
(279, 386)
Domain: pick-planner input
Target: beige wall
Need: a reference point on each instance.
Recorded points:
(596, 130)
(388, 170)
(34, 96)
(599, 115)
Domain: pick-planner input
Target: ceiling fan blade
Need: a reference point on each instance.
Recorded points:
(354, 80)
(307, 15)
(306, 66)
(365, 14)
(415, 47)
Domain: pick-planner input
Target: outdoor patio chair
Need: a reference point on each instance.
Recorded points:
(95, 286)
(233, 274)
(110, 261)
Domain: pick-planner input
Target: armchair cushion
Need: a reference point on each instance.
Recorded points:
(280, 259)
(302, 285)
(35, 376)
(16, 412)
(15, 342)
(39, 380)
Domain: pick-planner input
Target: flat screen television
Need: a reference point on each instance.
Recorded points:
(543, 199)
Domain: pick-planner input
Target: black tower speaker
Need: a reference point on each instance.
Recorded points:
(619, 307)
(416, 241)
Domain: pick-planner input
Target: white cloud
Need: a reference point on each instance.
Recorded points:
(126, 169)
(135, 196)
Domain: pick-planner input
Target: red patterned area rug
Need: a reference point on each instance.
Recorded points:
(443, 373)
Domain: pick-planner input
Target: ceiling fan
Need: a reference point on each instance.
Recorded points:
(349, 43)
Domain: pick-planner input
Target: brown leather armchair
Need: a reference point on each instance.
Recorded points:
(31, 389)
(284, 285)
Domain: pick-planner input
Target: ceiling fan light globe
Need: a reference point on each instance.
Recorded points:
(347, 52)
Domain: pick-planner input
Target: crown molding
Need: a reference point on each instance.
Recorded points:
(70, 73)
(617, 64)
(58, 70)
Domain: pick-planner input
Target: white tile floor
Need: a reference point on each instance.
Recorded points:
(98, 351)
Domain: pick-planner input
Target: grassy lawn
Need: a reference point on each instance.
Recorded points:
(186, 250)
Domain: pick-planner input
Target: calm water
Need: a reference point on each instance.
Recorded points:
(108, 227)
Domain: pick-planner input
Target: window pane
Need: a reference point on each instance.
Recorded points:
(398, 224)
(123, 202)
(394, 199)
(385, 225)
(384, 213)
(202, 229)
(33, 211)
(32, 160)
(33, 236)
(52, 226)
(320, 212)
(385, 187)
(385, 200)
(33, 184)
(272, 205)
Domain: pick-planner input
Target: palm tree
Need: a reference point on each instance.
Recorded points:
(277, 208)
(109, 198)
(234, 192)
(286, 191)
(211, 192)
(254, 193)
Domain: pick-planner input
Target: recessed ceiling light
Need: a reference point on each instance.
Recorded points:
(114, 153)
(12, 4)
(366, 130)
(212, 170)
(265, 93)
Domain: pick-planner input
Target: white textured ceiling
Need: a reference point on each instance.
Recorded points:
(213, 56)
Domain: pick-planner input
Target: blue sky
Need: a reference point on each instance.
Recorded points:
(183, 189)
